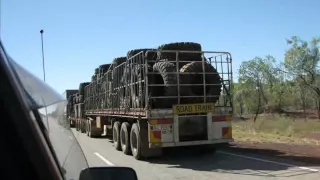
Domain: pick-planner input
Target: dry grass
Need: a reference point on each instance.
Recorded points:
(276, 128)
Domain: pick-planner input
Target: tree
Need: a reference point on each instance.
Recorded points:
(291, 85)
(302, 63)
(240, 96)
(252, 76)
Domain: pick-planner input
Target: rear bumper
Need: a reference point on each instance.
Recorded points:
(190, 143)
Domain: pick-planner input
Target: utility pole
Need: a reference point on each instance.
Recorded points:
(43, 67)
(44, 76)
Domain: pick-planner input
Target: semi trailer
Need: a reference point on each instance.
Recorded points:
(69, 109)
(174, 95)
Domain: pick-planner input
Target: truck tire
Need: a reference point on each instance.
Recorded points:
(82, 127)
(138, 90)
(151, 56)
(128, 72)
(96, 70)
(125, 137)
(135, 143)
(211, 90)
(142, 93)
(103, 68)
(116, 135)
(167, 79)
(117, 75)
(88, 132)
(81, 88)
(187, 46)
(119, 60)
(135, 70)
(77, 125)
(72, 125)
(89, 129)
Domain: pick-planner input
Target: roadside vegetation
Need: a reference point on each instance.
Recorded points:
(277, 129)
(279, 100)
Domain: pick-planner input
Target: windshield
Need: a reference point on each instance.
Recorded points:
(65, 145)
(41, 94)
(52, 107)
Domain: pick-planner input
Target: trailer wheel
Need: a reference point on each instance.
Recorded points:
(87, 127)
(135, 142)
(71, 123)
(89, 130)
(116, 135)
(83, 126)
(89, 134)
(77, 125)
(125, 137)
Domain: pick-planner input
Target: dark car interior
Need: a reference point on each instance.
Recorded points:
(25, 153)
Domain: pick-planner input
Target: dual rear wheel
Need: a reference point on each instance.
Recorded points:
(77, 125)
(126, 138)
(90, 130)
(132, 139)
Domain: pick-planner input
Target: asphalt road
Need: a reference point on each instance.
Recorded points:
(224, 164)
(67, 149)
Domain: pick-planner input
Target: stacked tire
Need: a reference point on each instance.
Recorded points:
(151, 56)
(81, 91)
(191, 73)
(134, 70)
(195, 74)
(81, 98)
(103, 69)
(132, 137)
(163, 67)
(165, 77)
(117, 75)
(95, 76)
(183, 56)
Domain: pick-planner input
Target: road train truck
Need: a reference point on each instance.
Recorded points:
(69, 108)
(174, 95)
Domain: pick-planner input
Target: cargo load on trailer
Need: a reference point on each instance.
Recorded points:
(174, 95)
(69, 110)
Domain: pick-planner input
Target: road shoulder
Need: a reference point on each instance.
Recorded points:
(307, 154)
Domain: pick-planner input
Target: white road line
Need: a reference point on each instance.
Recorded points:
(268, 161)
(103, 159)
(70, 137)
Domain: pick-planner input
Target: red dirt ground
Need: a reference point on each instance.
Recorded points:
(313, 135)
(309, 154)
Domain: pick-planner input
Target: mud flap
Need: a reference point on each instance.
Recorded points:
(145, 150)
(94, 131)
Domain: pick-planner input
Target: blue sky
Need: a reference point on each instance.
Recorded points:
(80, 35)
